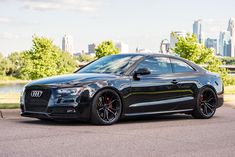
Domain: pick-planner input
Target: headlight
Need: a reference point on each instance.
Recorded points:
(69, 91)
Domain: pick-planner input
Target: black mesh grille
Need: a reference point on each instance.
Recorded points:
(37, 104)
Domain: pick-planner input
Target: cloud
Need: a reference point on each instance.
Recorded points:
(14, 21)
(48, 5)
(8, 35)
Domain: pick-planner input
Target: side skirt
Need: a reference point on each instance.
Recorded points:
(158, 112)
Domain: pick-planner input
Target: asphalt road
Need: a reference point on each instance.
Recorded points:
(175, 135)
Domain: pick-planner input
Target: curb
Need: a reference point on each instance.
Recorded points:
(9, 113)
(1, 116)
(230, 104)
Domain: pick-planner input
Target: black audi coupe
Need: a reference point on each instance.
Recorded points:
(125, 85)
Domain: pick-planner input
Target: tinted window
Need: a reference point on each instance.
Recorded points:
(116, 64)
(180, 66)
(156, 65)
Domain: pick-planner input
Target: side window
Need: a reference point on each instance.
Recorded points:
(180, 66)
(156, 65)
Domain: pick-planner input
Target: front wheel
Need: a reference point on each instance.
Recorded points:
(106, 107)
(206, 104)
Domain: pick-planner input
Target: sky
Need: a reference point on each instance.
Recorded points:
(139, 23)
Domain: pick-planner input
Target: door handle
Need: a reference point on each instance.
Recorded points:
(174, 81)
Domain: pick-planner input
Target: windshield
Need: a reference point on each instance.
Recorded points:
(116, 64)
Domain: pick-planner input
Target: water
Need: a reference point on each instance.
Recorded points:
(11, 88)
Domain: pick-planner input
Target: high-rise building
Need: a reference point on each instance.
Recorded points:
(123, 48)
(91, 48)
(211, 43)
(67, 44)
(197, 30)
(225, 44)
(173, 37)
(231, 29)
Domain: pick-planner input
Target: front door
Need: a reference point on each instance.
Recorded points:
(154, 92)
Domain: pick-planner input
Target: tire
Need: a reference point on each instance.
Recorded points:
(106, 107)
(206, 104)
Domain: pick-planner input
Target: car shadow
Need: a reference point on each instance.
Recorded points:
(129, 120)
(53, 122)
(156, 118)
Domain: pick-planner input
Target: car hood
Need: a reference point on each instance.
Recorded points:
(72, 79)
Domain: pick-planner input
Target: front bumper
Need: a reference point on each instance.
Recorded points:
(52, 105)
(42, 115)
(59, 113)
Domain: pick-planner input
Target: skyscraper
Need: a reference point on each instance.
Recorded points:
(197, 30)
(225, 44)
(123, 48)
(67, 44)
(91, 48)
(173, 37)
(231, 29)
(211, 43)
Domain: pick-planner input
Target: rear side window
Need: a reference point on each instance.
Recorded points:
(180, 66)
(156, 65)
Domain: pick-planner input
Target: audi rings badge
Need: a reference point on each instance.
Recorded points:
(36, 93)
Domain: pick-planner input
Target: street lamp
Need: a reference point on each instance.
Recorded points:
(165, 42)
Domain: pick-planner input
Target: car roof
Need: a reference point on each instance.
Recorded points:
(150, 54)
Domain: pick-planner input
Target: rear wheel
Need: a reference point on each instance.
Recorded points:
(206, 104)
(106, 107)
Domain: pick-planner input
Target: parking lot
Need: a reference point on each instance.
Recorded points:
(169, 135)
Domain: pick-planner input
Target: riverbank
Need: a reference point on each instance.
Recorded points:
(9, 100)
(11, 80)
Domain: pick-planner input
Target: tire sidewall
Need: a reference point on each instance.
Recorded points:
(197, 107)
(95, 118)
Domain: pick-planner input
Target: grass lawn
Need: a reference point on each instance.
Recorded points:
(9, 80)
(229, 90)
(9, 100)
(9, 105)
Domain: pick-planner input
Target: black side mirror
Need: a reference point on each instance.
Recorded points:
(141, 71)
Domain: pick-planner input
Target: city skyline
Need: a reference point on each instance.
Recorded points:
(137, 23)
(68, 44)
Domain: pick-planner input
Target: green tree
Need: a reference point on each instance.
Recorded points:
(106, 48)
(188, 48)
(228, 60)
(45, 59)
(85, 58)
(5, 65)
(16, 61)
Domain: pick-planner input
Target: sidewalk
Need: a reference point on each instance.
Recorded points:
(9, 113)
(229, 100)
(230, 103)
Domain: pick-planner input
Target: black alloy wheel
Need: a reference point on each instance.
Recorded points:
(106, 107)
(206, 104)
